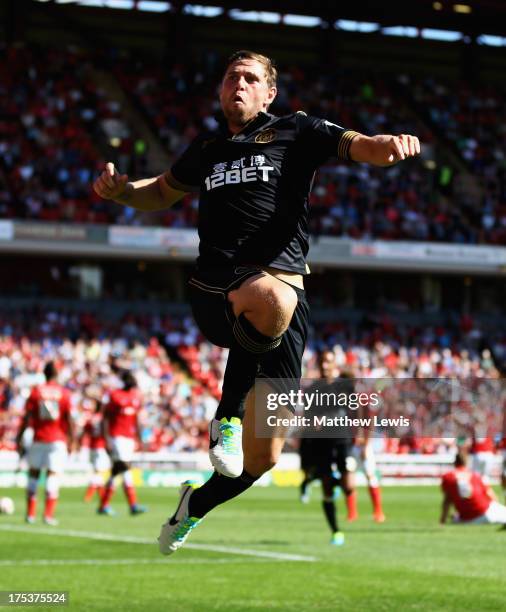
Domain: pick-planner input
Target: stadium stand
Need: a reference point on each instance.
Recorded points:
(63, 140)
(58, 126)
(181, 377)
(471, 117)
(51, 126)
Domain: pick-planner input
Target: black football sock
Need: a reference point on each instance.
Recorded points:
(217, 490)
(248, 336)
(239, 378)
(304, 485)
(329, 508)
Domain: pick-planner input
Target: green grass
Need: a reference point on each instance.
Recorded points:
(408, 563)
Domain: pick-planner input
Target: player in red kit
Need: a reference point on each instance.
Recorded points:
(48, 411)
(363, 454)
(502, 449)
(482, 451)
(122, 429)
(474, 501)
(93, 430)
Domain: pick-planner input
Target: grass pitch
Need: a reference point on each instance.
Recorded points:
(408, 563)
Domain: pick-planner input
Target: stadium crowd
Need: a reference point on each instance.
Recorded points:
(473, 119)
(348, 200)
(53, 135)
(53, 120)
(51, 123)
(179, 373)
(176, 407)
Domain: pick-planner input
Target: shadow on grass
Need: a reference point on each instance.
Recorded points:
(379, 529)
(250, 543)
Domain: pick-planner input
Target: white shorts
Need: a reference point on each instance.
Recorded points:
(368, 464)
(482, 463)
(48, 455)
(122, 449)
(504, 463)
(99, 459)
(495, 514)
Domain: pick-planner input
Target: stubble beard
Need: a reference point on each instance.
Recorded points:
(239, 116)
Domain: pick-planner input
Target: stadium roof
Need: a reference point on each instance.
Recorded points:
(470, 17)
(467, 16)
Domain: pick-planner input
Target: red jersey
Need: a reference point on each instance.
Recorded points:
(49, 409)
(121, 413)
(467, 492)
(94, 429)
(482, 445)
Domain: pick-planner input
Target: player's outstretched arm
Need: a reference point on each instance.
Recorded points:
(105, 425)
(21, 431)
(138, 431)
(149, 194)
(72, 442)
(383, 149)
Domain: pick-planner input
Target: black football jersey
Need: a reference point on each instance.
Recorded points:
(254, 187)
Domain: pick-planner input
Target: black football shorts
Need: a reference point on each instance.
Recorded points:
(213, 313)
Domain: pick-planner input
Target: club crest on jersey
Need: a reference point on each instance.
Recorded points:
(266, 136)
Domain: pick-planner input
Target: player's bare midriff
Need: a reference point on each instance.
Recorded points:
(292, 278)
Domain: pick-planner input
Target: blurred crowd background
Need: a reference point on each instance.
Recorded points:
(139, 98)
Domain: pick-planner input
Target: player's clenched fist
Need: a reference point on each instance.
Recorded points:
(110, 185)
(403, 146)
(383, 149)
(397, 148)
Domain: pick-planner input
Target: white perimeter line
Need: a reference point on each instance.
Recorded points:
(42, 562)
(93, 535)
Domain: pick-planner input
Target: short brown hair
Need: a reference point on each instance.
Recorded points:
(50, 371)
(270, 68)
(461, 458)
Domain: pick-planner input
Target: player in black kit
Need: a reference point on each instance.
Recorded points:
(254, 174)
(325, 451)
